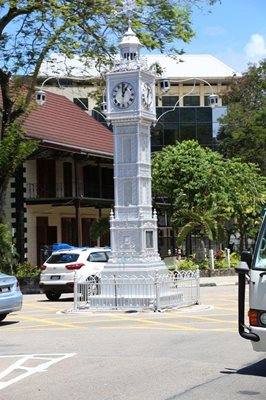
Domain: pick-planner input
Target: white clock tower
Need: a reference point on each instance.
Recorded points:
(131, 111)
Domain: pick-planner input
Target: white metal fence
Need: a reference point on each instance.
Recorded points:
(158, 292)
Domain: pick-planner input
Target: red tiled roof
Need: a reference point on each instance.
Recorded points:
(61, 123)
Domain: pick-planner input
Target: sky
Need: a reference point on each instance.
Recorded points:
(234, 32)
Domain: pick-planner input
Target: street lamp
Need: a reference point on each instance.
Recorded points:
(40, 95)
(164, 85)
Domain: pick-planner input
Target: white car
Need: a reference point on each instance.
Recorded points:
(58, 271)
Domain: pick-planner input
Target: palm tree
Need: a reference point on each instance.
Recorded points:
(207, 224)
(100, 228)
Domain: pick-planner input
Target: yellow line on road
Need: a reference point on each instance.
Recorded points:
(177, 328)
(210, 319)
(49, 322)
(147, 321)
(225, 308)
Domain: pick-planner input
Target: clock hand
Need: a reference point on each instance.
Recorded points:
(123, 90)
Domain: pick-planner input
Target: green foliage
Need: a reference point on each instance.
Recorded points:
(220, 262)
(30, 30)
(206, 193)
(85, 28)
(100, 228)
(26, 270)
(244, 126)
(14, 148)
(187, 265)
(6, 248)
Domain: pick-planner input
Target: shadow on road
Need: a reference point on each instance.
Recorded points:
(6, 323)
(63, 300)
(256, 369)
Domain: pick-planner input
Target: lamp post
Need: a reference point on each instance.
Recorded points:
(40, 95)
(165, 85)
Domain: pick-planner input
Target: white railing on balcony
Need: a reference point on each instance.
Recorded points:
(33, 191)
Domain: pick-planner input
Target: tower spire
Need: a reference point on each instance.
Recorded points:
(129, 45)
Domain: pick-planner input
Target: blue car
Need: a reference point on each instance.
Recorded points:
(10, 295)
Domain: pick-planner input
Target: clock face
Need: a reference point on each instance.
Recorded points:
(123, 95)
(147, 95)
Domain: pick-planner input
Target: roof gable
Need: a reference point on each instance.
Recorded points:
(63, 123)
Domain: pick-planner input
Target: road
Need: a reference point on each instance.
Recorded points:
(187, 354)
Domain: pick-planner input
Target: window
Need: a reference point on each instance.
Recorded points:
(67, 173)
(187, 131)
(204, 134)
(98, 257)
(261, 255)
(170, 136)
(191, 101)
(46, 182)
(187, 115)
(170, 101)
(69, 230)
(91, 181)
(203, 114)
(82, 102)
(184, 123)
(62, 258)
(107, 183)
(149, 239)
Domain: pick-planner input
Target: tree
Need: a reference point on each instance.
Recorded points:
(243, 132)
(204, 191)
(100, 228)
(205, 224)
(31, 29)
(247, 196)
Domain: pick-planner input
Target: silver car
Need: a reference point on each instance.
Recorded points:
(10, 295)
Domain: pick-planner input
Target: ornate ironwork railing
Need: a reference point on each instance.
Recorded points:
(158, 292)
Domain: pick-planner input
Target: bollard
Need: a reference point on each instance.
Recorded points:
(197, 275)
(227, 257)
(157, 292)
(75, 292)
(211, 256)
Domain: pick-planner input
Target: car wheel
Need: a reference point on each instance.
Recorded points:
(93, 286)
(52, 296)
(2, 316)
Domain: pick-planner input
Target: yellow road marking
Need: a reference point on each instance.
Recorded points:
(48, 322)
(225, 308)
(147, 321)
(177, 328)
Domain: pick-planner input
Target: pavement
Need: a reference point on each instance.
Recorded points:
(219, 281)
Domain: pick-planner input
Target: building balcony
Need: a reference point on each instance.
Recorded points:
(60, 192)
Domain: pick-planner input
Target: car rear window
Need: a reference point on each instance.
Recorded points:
(62, 258)
(98, 257)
